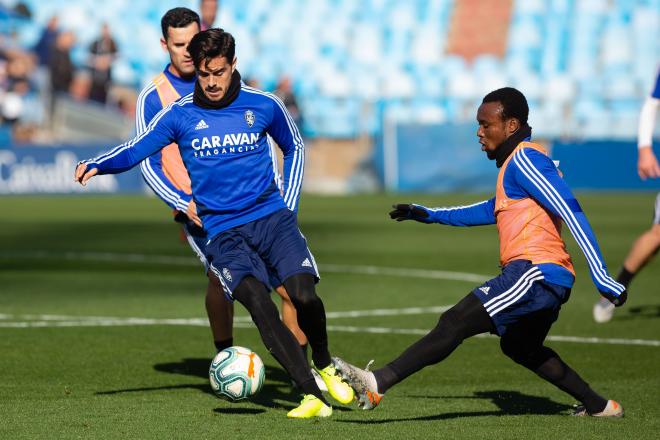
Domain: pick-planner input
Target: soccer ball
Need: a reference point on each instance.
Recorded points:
(237, 373)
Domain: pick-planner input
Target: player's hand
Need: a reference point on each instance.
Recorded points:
(83, 174)
(409, 211)
(647, 164)
(618, 301)
(191, 212)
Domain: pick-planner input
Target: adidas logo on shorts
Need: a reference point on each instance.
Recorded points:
(485, 289)
(306, 263)
(201, 125)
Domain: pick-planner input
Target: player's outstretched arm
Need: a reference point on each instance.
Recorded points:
(83, 173)
(482, 213)
(409, 211)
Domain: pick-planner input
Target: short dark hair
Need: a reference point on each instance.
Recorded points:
(211, 43)
(514, 103)
(178, 18)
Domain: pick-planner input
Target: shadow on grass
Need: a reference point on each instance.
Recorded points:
(510, 403)
(276, 392)
(239, 411)
(643, 311)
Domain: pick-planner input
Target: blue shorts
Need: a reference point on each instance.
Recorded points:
(272, 243)
(197, 239)
(518, 291)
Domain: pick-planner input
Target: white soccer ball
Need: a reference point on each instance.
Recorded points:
(237, 373)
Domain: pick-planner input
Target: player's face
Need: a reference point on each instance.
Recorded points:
(215, 76)
(493, 128)
(177, 46)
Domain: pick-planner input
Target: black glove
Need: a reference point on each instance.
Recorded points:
(618, 301)
(409, 211)
(191, 227)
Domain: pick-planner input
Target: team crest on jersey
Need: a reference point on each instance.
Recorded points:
(226, 274)
(249, 118)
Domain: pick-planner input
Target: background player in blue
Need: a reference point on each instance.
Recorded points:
(647, 244)
(521, 303)
(221, 131)
(166, 174)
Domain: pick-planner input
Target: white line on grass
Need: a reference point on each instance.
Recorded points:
(190, 261)
(32, 321)
(245, 322)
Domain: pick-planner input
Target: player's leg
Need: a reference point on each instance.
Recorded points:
(311, 318)
(244, 277)
(290, 318)
(523, 342)
(219, 309)
(478, 312)
(310, 315)
(465, 319)
(642, 251)
(284, 249)
(278, 340)
(220, 312)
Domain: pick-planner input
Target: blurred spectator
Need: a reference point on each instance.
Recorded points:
(208, 10)
(13, 105)
(61, 67)
(19, 65)
(22, 10)
(125, 99)
(44, 46)
(252, 82)
(15, 69)
(284, 91)
(81, 86)
(102, 54)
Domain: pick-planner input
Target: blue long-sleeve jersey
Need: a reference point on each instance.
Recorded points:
(227, 155)
(148, 105)
(532, 174)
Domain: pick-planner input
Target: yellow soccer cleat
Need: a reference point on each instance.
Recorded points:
(338, 389)
(310, 406)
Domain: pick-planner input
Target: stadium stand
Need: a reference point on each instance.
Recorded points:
(584, 63)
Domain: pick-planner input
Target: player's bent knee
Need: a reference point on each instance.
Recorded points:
(449, 327)
(254, 296)
(513, 350)
(528, 357)
(300, 288)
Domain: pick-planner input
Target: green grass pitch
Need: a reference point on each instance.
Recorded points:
(70, 264)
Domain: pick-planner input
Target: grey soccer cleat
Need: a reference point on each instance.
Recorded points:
(612, 409)
(362, 381)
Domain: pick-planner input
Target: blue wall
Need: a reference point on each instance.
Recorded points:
(603, 165)
(445, 158)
